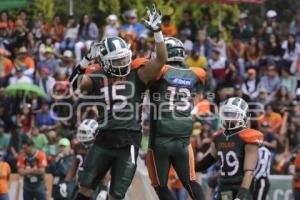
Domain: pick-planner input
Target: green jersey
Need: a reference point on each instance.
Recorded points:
(119, 99)
(231, 153)
(171, 98)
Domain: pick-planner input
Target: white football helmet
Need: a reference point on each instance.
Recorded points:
(115, 56)
(233, 113)
(175, 48)
(87, 130)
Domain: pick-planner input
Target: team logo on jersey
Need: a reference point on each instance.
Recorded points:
(182, 81)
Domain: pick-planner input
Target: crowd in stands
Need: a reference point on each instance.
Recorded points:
(260, 64)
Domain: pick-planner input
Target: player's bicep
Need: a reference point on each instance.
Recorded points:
(251, 156)
(86, 84)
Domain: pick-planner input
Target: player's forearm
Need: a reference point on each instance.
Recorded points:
(37, 171)
(247, 180)
(161, 50)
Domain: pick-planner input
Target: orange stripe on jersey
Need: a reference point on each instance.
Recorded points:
(138, 62)
(150, 162)
(192, 164)
(251, 136)
(200, 73)
(162, 72)
(92, 68)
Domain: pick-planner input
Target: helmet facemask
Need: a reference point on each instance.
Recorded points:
(232, 118)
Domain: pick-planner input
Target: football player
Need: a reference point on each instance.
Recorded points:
(118, 89)
(236, 147)
(85, 135)
(171, 122)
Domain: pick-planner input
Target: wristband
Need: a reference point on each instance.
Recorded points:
(158, 36)
(205, 163)
(85, 62)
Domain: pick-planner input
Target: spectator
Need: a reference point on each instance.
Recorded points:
(196, 60)
(66, 65)
(218, 42)
(218, 65)
(242, 28)
(112, 28)
(19, 77)
(188, 44)
(271, 80)
(6, 67)
(45, 119)
(236, 54)
(39, 139)
(87, 33)
(250, 85)
(31, 165)
(57, 30)
(271, 119)
(132, 24)
(253, 53)
(188, 25)
(39, 27)
(4, 139)
(5, 117)
(25, 118)
(70, 36)
(4, 178)
(14, 147)
(167, 28)
(270, 25)
(23, 59)
(273, 48)
(50, 62)
(46, 81)
(295, 26)
(282, 99)
(52, 148)
(61, 167)
(293, 129)
(291, 51)
(288, 80)
(6, 22)
(202, 44)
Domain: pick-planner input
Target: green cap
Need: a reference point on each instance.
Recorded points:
(64, 142)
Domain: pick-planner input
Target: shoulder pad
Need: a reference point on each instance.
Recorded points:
(201, 74)
(93, 68)
(138, 62)
(217, 134)
(251, 136)
(162, 72)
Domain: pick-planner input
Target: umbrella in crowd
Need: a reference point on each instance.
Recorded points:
(27, 87)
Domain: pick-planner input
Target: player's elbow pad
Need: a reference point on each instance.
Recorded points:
(77, 71)
(205, 163)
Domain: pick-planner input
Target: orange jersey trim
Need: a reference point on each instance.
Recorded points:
(138, 62)
(162, 72)
(92, 68)
(151, 166)
(200, 73)
(251, 136)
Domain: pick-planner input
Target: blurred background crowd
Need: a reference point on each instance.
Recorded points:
(260, 63)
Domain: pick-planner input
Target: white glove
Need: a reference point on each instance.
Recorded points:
(155, 18)
(63, 190)
(92, 53)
